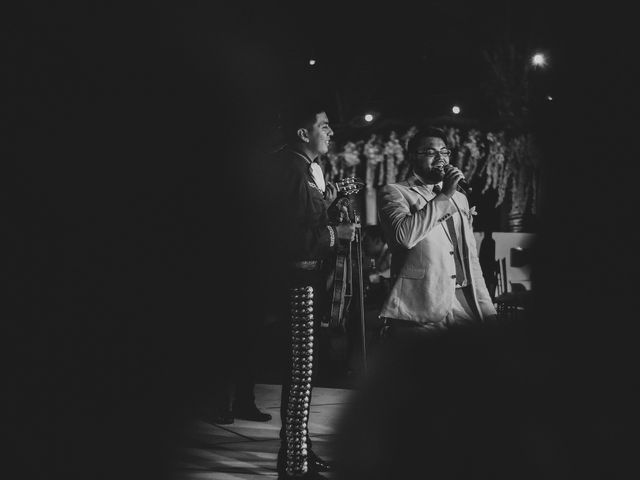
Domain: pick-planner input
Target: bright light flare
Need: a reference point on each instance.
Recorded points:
(368, 117)
(538, 60)
(312, 62)
(455, 109)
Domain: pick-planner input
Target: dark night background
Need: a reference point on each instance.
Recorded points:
(133, 261)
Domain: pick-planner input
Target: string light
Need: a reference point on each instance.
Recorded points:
(368, 117)
(538, 60)
(455, 109)
(312, 62)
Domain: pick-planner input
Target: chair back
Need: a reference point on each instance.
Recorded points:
(501, 276)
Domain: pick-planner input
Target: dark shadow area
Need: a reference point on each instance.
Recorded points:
(129, 225)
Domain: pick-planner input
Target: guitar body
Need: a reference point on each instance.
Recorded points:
(339, 297)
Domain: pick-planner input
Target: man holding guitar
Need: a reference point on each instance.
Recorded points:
(303, 239)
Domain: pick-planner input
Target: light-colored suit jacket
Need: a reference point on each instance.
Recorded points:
(423, 269)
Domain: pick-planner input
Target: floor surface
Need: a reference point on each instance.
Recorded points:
(248, 450)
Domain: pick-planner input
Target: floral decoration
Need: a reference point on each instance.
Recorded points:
(506, 164)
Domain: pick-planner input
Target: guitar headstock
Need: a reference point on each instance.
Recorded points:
(349, 185)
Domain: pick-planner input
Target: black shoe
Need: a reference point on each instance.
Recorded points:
(224, 417)
(314, 462)
(317, 464)
(251, 413)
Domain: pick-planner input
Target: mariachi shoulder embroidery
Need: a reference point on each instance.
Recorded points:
(313, 184)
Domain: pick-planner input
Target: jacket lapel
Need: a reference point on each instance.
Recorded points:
(424, 195)
(413, 186)
(469, 293)
(463, 233)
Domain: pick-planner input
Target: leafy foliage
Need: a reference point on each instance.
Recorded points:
(506, 164)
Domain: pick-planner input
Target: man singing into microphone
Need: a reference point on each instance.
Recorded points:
(436, 276)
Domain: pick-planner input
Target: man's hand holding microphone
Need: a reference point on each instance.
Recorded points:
(452, 180)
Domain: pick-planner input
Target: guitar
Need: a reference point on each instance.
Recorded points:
(342, 281)
(342, 278)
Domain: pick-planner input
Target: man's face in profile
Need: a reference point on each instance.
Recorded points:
(320, 134)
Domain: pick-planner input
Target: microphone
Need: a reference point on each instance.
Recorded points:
(463, 186)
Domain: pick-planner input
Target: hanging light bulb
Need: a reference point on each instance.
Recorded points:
(538, 60)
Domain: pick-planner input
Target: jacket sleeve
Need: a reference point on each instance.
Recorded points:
(404, 227)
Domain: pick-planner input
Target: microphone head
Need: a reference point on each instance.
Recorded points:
(464, 187)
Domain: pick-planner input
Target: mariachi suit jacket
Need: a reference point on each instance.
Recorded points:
(413, 219)
(299, 219)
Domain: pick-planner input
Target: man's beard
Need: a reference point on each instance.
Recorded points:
(433, 175)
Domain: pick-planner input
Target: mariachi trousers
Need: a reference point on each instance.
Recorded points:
(304, 291)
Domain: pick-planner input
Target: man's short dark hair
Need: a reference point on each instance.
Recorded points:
(301, 114)
(426, 133)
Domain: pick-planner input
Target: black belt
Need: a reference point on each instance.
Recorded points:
(394, 322)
